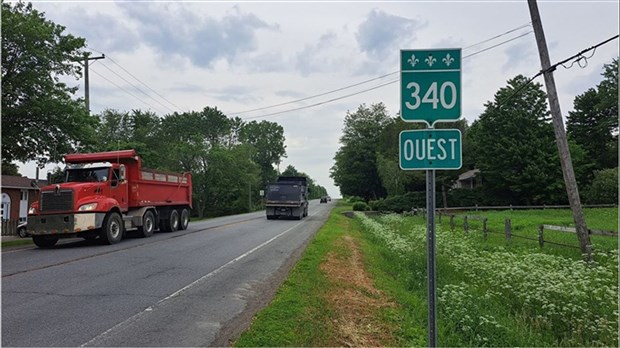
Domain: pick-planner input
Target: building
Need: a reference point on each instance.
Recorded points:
(17, 195)
(470, 179)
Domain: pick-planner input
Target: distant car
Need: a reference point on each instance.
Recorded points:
(329, 199)
(323, 199)
(22, 230)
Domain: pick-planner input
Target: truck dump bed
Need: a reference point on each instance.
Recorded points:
(147, 187)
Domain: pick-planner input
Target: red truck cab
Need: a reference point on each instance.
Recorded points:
(107, 193)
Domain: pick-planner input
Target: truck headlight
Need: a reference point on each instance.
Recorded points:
(32, 211)
(88, 207)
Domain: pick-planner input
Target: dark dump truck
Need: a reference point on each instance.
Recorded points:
(287, 197)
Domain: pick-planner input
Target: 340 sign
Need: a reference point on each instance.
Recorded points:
(430, 85)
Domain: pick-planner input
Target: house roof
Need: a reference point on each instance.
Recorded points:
(469, 174)
(20, 182)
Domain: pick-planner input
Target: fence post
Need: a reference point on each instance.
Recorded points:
(511, 207)
(465, 225)
(541, 239)
(484, 228)
(508, 229)
(452, 222)
(476, 206)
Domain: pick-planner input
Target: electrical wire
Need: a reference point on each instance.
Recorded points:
(123, 89)
(386, 75)
(552, 68)
(137, 79)
(136, 87)
(369, 89)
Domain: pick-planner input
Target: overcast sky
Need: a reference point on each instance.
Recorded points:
(240, 56)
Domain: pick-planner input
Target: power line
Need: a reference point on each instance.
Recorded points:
(137, 79)
(386, 75)
(126, 91)
(369, 89)
(579, 56)
(136, 87)
(324, 102)
(316, 95)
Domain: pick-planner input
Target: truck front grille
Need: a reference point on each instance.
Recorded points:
(54, 202)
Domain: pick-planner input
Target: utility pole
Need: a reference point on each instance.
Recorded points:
(560, 134)
(86, 84)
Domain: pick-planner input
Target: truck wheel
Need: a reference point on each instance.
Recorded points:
(44, 241)
(172, 223)
(184, 222)
(148, 224)
(112, 229)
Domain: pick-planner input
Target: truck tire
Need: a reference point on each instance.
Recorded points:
(112, 229)
(184, 222)
(44, 241)
(148, 225)
(170, 224)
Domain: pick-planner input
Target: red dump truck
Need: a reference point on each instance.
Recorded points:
(107, 193)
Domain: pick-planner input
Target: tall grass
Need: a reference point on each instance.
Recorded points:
(499, 296)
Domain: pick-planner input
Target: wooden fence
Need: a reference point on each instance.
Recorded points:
(519, 207)
(9, 227)
(508, 229)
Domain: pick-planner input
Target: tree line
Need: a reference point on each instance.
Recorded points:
(231, 160)
(511, 143)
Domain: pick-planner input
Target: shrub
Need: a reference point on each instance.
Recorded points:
(354, 199)
(360, 206)
(604, 187)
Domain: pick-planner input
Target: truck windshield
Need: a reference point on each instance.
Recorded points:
(283, 192)
(87, 175)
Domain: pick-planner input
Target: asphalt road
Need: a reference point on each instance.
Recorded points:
(198, 287)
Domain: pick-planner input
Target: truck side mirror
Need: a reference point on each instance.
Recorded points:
(121, 172)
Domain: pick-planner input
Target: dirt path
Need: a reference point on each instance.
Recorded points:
(355, 299)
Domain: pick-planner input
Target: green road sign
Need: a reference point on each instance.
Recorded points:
(430, 89)
(430, 149)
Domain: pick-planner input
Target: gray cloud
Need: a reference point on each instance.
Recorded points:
(203, 40)
(381, 34)
(319, 57)
(109, 33)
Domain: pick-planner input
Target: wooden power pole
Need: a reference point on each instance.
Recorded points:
(86, 78)
(560, 134)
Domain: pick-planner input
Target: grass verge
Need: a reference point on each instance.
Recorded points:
(299, 315)
(17, 242)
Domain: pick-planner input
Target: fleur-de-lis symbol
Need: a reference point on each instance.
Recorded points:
(430, 60)
(413, 60)
(448, 60)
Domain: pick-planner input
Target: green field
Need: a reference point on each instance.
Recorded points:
(490, 292)
(525, 223)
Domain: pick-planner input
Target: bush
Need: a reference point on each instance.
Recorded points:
(604, 187)
(354, 199)
(360, 206)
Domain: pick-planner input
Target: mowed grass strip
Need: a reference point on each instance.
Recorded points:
(329, 299)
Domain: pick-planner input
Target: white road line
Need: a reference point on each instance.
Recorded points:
(136, 316)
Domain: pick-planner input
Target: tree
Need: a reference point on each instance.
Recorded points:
(40, 120)
(514, 147)
(355, 170)
(267, 139)
(132, 130)
(594, 123)
(315, 191)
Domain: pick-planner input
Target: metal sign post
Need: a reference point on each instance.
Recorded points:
(430, 258)
(430, 92)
